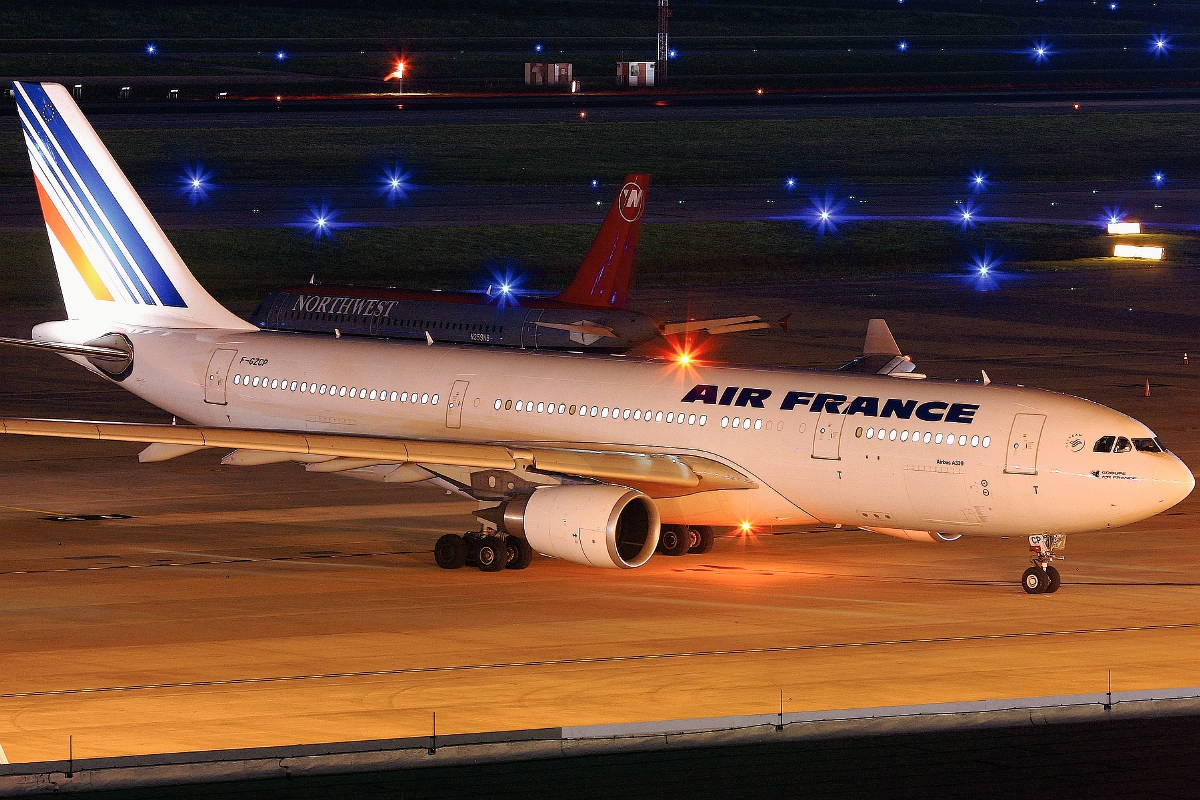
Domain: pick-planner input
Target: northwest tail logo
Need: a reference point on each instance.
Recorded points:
(631, 202)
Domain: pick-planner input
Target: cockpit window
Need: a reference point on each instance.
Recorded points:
(1161, 446)
(1104, 444)
(1123, 445)
(1147, 446)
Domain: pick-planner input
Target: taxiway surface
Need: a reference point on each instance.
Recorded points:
(258, 606)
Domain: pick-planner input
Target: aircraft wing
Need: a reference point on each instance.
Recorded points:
(589, 328)
(662, 475)
(715, 326)
(881, 355)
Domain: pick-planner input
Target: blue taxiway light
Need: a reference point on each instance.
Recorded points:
(1160, 44)
(280, 56)
(537, 48)
(195, 183)
(595, 183)
(672, 53)
(151, 49)
(394, 183)
(979, 180)
(1159, 178)
(902, 46)
(790, 183)
(824, 213)
(1041, 51)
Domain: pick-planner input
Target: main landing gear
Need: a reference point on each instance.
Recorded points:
(487, 550)
(1042, 578)
(678, 540)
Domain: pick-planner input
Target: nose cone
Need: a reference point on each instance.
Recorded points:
(1173, 481)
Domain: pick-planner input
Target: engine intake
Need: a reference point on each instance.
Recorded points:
(601, 526)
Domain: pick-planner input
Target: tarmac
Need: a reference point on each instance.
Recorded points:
(255, 607)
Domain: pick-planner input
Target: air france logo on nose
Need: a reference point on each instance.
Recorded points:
(931, 411)
(631, 202)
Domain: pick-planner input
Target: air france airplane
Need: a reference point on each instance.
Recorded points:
(598, 460)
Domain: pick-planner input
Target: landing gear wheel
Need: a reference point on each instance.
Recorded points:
(490, 554)
(450, 552)
(674, 540)
(520, 554)
(702, 539)
(1035, 580)
(1054, 580)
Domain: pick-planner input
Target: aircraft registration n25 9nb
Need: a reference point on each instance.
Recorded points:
(599, 460)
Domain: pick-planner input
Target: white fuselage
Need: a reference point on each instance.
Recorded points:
(1021, 460)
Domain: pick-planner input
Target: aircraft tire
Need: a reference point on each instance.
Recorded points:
(702, 539)
(1054, 582)
(674, 540)
(520, 554)
(491, 554)
(450, 552)
(1034, 580)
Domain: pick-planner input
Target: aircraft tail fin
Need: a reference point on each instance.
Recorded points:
(607, 271)
(114, 263)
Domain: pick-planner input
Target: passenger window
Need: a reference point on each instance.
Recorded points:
(691, 419)
(1123, 445)
(671, 417)
(562, 408)
(593, 413)
(1146, 446)
(724, 422)
(1104, 444)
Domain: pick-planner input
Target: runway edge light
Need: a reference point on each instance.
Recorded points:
(1133, 251)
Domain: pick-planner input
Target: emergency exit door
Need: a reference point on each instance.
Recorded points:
(827, 436)
(218, 376)
(458, 395)
(1023, 444)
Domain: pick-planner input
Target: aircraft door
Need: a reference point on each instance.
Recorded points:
(1023, 444)
(827, 436)
(529, 330)
(218, 376)
(458, 396)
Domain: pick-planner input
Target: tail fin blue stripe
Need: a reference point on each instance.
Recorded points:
(39, 106)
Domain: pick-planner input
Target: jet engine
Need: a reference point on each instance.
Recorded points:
(601, 526)
(917, 536)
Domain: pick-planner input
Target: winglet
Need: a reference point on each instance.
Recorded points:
(607, 270)
(880, 341)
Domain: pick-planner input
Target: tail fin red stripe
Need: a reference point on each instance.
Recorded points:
(607, 271)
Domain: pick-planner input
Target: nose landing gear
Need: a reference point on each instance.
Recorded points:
(1042, 577)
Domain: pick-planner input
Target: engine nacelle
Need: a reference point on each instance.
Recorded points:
(601, 526)
(917, 536)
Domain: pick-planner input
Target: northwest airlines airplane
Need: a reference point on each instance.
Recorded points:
(594, 459)
(589, 315)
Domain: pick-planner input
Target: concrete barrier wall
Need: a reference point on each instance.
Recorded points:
(502, 746)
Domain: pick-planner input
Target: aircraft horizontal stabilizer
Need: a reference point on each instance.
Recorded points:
(65, 348)
(686, 473)
(715, 326)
